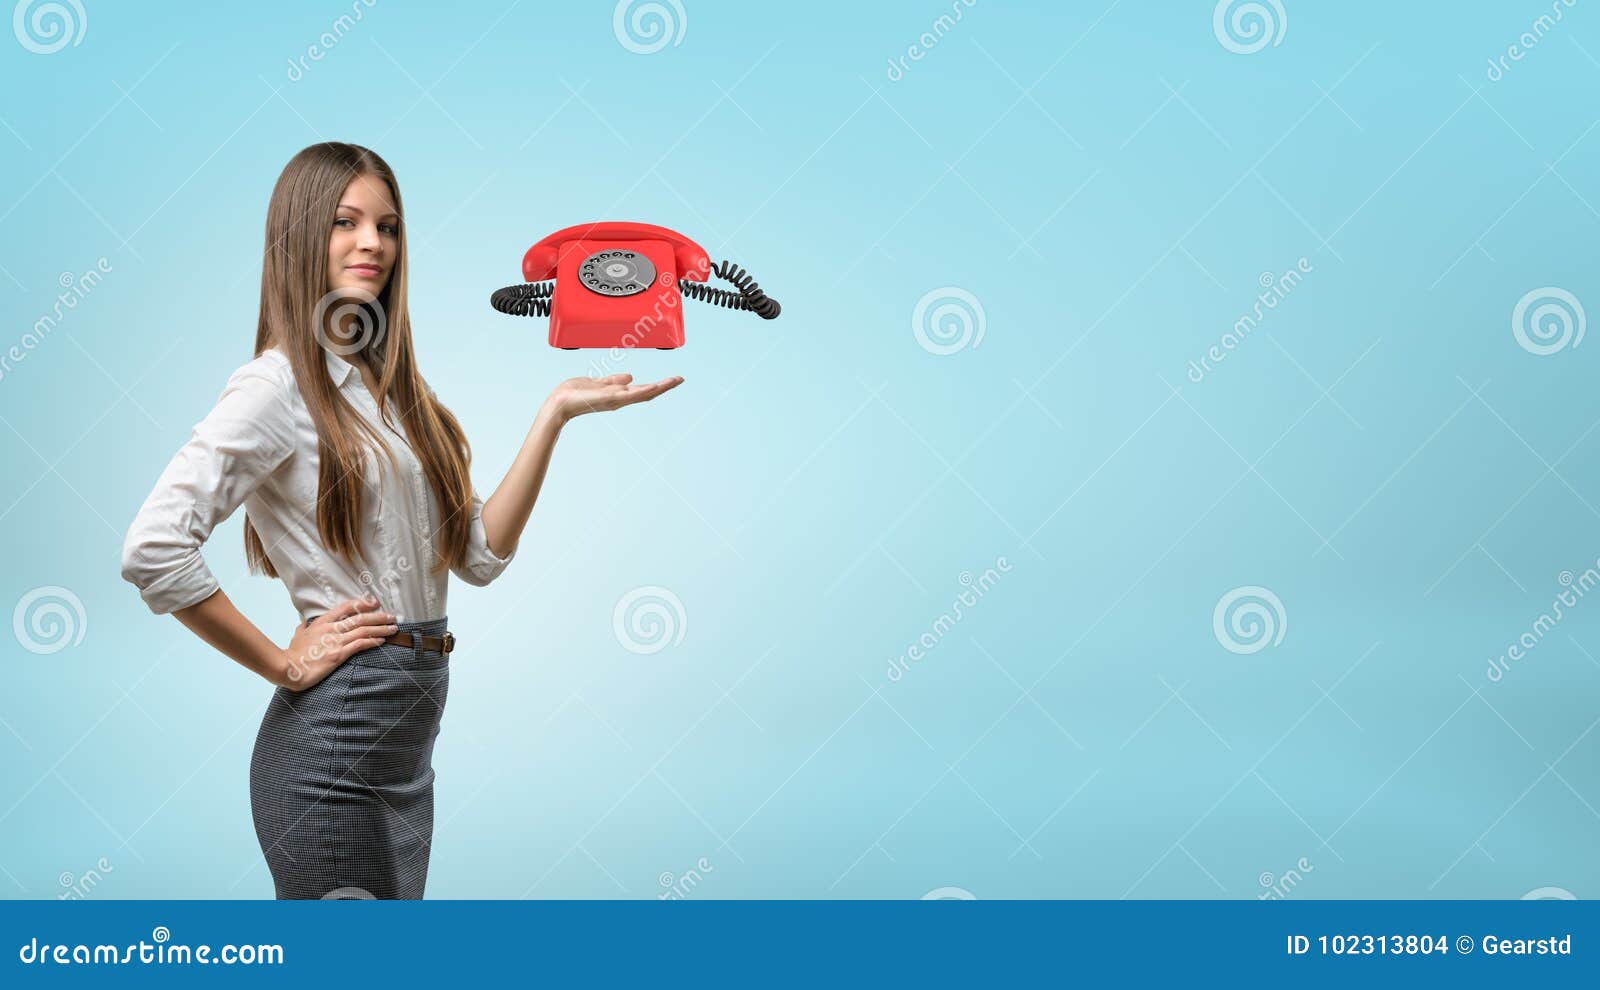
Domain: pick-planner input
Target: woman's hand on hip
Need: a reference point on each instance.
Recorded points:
(319, 647)
(577, 396)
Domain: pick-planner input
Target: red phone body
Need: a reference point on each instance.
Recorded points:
(582, 316)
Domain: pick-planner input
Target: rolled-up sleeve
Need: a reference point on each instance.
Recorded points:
(481, 565)
(244, 438)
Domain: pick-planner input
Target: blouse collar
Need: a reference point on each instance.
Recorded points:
(338, 368)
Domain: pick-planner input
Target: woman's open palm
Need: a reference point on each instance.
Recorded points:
(577, 396)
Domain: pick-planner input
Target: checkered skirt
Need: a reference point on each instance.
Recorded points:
(341, 778)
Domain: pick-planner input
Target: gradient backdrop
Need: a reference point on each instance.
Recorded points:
(1238, 634)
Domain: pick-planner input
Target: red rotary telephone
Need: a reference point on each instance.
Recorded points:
(621, 285)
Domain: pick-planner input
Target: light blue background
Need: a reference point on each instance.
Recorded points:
(1109, 184)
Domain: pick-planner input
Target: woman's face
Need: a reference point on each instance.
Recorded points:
(365, 240)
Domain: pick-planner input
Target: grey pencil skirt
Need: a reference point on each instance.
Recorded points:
(341, 778)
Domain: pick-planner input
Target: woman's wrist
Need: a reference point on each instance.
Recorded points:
(551, 416)
(275, 668)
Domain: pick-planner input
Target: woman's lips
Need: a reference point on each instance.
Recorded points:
(366, 270)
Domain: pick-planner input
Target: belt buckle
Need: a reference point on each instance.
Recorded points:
(449, 642)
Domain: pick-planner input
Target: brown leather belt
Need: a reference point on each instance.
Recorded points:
(436, 644)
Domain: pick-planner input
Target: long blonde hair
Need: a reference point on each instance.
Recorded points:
(293, 299)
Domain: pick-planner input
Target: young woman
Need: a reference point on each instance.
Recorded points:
(355, 483)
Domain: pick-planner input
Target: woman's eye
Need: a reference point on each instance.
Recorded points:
(389, 228)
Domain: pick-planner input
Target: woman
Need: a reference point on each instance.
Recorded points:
(355, 483)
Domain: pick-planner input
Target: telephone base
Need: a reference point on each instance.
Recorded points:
(622, 285)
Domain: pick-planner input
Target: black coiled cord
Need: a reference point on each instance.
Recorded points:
(533, 298)
(528, 299)
(749, 297)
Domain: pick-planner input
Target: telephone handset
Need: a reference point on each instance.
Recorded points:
(620, 285)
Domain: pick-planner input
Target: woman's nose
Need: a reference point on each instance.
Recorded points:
(369, 239)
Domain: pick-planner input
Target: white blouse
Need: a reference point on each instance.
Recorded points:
(258, 447)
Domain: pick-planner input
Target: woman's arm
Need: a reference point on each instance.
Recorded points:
(219, 623)
(240, 442)
(506, 512)
(315, 651)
